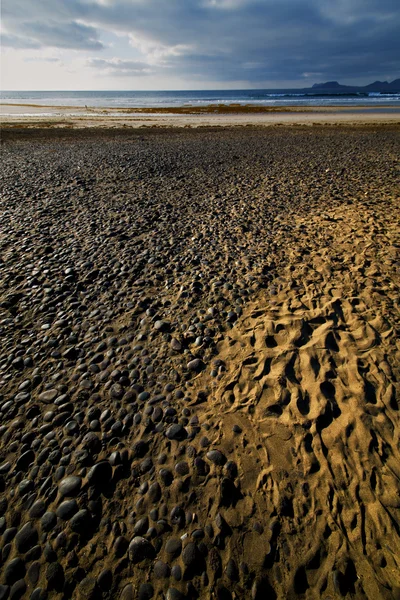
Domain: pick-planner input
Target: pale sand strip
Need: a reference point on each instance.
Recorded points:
(51, 116)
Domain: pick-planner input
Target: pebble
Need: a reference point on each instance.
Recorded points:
(100, 474)
(128, 593)
(67, 509)
(140, 549)
(189, 554)
(70, 486)
(26, 538)
(14, 570)
(146, 591)
(216, 457)
(48, 396)
(48, 521)
(176, 432)
(173, 547)
(195, 365)
(174, 594)
(161, 570)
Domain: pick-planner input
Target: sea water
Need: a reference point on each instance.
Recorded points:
(164, 99)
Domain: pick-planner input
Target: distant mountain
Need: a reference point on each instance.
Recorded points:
(376, 86)
(330, 85)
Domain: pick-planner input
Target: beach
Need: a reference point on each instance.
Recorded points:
(214, 115)
(200, 359)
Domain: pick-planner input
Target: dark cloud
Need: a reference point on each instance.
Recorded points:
(224, 40)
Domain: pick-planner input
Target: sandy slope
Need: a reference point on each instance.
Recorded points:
(311, 379)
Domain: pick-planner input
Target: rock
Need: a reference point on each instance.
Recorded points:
(100, 474)
(55, 576)
(87, 589)
(140, 549)
(34, 572)
(48, 521)
(232, 570)
(104, 580)
(18, 590)
(176, 572)
(141, 526)
(26, 538)
(4, 592)
(25, 460)
(81, 521)
(161, 570)
(182, 468)
(120, 546)
(176, 432)
(146, 591)
(161, 325)
(174, 594)
(189, 554)
(39, 594)
(70, 486)
(127, 593)
(173, 547)
(216, 457)
(176, 345)
(91, 443)
(37, 509)
(230, 469)
(195, 365)
(14, 570)
(154, 492)
(48, 396)
(67, 509)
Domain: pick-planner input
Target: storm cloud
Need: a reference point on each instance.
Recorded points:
(253, 41)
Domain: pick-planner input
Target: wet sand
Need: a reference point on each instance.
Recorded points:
(200, 363)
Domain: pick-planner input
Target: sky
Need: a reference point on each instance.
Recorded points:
(196, 44)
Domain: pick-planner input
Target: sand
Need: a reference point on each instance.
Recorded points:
(232, 115)
(200, 363)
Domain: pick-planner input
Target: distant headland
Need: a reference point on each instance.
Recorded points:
(376, 86)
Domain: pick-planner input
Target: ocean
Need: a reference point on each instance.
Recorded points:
(159, 99)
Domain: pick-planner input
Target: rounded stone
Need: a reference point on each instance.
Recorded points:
(67, 509)
(26, 538)
(87, 589)
(161, 570)
(173, 547)
(127, 593)
(189, 554)
(146, 591)
(140, 549)
(174, 594)
(216, 457)
(55, 576)
(182, 468)
(48, 521)
(70, 486)
(100, 474)
(176, 432)
(14, 570)
(81, 521)
(18, 590)
(104, 580)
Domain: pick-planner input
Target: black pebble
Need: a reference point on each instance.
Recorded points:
(146, 591)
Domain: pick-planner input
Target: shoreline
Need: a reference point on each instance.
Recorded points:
(15, 116)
